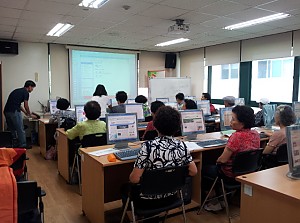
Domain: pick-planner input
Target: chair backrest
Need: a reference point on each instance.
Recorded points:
(247, 161)
(28, 195)
(97, 139)
(163, 180)
(282, 154)
(6, 139)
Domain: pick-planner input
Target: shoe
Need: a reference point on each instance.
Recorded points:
(213, 207)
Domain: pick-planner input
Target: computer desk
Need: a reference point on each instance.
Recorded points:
(46, 134)
(269, 196)
(102, 180)
(63, 153)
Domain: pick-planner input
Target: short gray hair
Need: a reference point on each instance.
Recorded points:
(286, 115)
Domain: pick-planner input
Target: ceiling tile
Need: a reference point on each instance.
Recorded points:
(250, 14)
(197, 18)
(41, 16)
(135, 6)
(164, 12)
(8, 21)
(10, 13)
(15, 4)
(48, 6)
(282, 5)
(6, 35)
(222, 8)
(253, 2)
(187, 4)
(220, 22)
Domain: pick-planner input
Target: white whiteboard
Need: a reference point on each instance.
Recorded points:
(168, 87)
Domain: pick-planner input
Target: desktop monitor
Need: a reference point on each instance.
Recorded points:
(269, 115)
(164, 100)
(296, 109)
(79, 113)
(204, 105)
(225, 118)
(136, 108)
(239, 101)
(121, 129)
(172, 105)
(52, 106)
(130, 101)
(192, 123)
(113, 102)
(293, 148)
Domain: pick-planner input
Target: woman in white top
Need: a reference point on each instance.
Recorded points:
(100, 95)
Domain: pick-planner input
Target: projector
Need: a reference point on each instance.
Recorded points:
(179, 27)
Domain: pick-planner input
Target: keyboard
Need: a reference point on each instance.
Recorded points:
(127, 154)
(142, 125)
(211, 143)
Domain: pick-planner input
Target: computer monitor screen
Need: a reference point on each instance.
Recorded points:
(239, 101)
(293, 147)
(164, 100)
(296, 108)
(171, 104)
(80, 114)
(225, 118)
(192, 123)
(190, 97)
(269, 115)
(52, 106)
(204, 105)
(136, 108)
(113, 102)
(130, 101)
(121, 129)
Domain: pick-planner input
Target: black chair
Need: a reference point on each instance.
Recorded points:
(97, 139)
(243, 163)
(6, 139)
(156, 182)
(30, 204)
(277, 159)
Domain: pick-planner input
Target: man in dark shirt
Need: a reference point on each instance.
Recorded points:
(121, 97)
(13, 108)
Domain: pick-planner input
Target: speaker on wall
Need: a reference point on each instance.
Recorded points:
(170, 61)
(8, 47)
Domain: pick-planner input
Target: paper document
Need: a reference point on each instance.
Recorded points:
(103, 152)
(192, 146)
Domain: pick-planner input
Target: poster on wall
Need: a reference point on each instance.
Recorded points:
(156, 73)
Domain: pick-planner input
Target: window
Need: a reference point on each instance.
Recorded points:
(273, 79)
(225, 80)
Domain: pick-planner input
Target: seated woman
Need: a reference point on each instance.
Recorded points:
(189, 104)
(91, 126)
(150, 127)
(143, 100)
(206, 96)
(284, 116)
(163, 151)
(62, 104)
(243, 139)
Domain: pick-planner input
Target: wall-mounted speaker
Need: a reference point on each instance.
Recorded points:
(8, 47)
(170, 61)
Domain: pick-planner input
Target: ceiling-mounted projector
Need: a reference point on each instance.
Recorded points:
(179, 27)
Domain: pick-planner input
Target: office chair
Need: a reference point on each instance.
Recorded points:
(30, 204)
(243, 163)
(19, 164)
(278, 159)
(156, 182)
(6, 139)
(97, 139)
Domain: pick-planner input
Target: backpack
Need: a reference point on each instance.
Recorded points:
(68, 123)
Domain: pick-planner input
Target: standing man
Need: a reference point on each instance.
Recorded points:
(13, 108)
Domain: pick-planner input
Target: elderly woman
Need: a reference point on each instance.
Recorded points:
(243, 139)
(284, 116)
(163, 151)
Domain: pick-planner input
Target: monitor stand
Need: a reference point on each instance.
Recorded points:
(121, 145)
(192, 137)
(295, 176)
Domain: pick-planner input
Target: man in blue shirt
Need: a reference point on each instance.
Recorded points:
(13, 108)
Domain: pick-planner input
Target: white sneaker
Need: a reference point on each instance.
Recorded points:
(213, 207)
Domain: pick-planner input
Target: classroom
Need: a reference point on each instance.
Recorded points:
(117, 43)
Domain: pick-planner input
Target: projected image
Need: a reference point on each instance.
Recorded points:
(90, 68)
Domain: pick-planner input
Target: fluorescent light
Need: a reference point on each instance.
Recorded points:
(93, 3)
(172, 42)
(60, 29)
(257, 21)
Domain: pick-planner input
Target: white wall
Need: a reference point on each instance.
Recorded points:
(192, 65)
(59, 71)
(16, 69)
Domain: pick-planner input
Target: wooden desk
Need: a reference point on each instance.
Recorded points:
(275, 197)
(63, 160)
(46, 135)
(102, 180)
